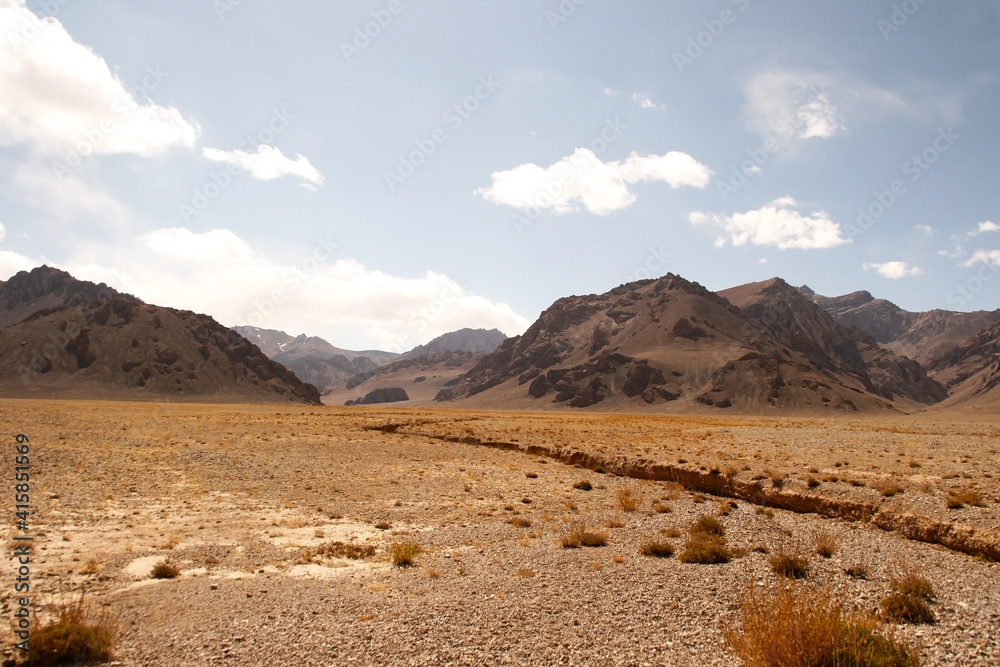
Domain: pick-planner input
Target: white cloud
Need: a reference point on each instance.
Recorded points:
(352, 306)
(987, 226)
(610, 92)
(984, 257)
(583, 179)
(267, 163)
(216, 246)
(778, 223)
(924, 229)
(894, 270)
(59, 97)
(72, 199)
(12, 262)
(645, 102)
(792, 104)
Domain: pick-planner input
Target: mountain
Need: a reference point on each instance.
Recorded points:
(313, 359)
(921, 336)
(463, 340)
(673, 345)
(66, 338)
(972, 371)
(422, 377)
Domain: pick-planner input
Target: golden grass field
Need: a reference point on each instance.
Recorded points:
(245, 498)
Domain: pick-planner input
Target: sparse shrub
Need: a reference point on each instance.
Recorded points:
(519, 522)
(629, 500)
(165, 570)
(525, 573)
(337, 550)
(790, 565)
(900, 608)
(383, 525)
(959, 499)
(765, 511)
(656, 548)
(812, 482)
(914, 584)
(403, 554)
(583, 485)
(708, 525)
(798, 626)
(92, 567)
(659, 508)
(705, 550)
(826, 545)
(531, 475)
(75, 634)
(889, 489)
(578, 536)
(856, 571)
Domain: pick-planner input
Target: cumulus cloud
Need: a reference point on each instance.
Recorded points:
(645, 102)
(267, 163)
(314, 291)
(216, 246)
(792, 104)
(60, 98)
(583, 179)
(983, 257)
(894, 270)
(779, 223)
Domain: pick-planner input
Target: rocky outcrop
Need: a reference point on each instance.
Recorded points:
(385, 395)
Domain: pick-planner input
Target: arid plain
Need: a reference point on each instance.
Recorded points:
(248, 502)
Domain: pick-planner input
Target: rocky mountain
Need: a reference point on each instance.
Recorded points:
(422, 377)
(463, 340)
(66, 338)
(972, 371)
(313, 359)
(921, 336)
(672, 345)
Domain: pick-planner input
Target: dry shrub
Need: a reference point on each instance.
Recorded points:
(804, 626)
(583, 485)
(908, 603)
(579, 536)
(165, 570)
(337, 550)
(826, 544)
(706, 544)
(856, 571)
(519, 522)
(628, 500)
(708, 525)
(656, 548)
(403, 554)
(959, 499)
(75, 634)
(889, 489)
(790, 565)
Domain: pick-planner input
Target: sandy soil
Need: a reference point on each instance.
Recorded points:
(241, 498)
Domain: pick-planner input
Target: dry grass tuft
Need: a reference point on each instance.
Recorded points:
(628, 500)
(578, 536)
(790, 626)
(959, 499)
(909, 601)
(826, 544)
(75, 634)
(656, 548)
(403, 554)
(708, 525)
(337, 550)
(165, 570)
(790, 565)
(519, 522)
(583, 485)
(706, 544)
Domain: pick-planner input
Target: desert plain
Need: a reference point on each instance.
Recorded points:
(249, 503)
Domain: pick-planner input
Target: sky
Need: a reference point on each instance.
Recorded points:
(378, 173)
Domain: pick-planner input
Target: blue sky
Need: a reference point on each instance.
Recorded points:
(378, 173)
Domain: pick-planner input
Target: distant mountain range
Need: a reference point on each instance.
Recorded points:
(67, 338)
(672, 345)
(666, 345)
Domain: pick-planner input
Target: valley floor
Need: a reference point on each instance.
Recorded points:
(248, 500)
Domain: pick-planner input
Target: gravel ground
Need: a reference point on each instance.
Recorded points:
(236, 496)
